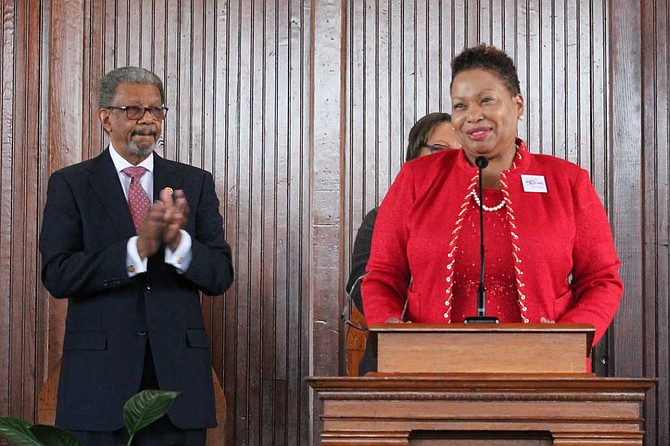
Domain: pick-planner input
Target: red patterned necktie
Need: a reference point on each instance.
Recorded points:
(138, 200)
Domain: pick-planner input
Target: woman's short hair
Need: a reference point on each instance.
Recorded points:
(418, 135)
(487, 58)
(126, 75)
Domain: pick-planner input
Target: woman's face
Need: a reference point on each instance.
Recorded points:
(442, 136)
(485, 114)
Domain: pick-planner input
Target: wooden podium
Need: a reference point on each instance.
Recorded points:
(483, 348)
(506, 384)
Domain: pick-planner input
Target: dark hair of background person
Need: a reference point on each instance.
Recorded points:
(418, 135)
(487, 58)
(126, 75)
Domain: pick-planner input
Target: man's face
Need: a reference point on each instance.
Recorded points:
(134, 139)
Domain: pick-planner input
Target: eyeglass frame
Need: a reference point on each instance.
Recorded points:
(435, 148)
(127, 109)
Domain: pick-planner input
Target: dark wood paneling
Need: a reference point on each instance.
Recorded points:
(65, 124)
(656, 217)
(22, 312)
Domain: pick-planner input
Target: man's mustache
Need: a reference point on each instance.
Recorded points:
(144, 132)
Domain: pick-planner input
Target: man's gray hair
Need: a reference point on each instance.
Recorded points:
(126, 75)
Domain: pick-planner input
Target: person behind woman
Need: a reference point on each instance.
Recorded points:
(550, 256)
(429, 135)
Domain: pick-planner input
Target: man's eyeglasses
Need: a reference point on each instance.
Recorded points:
(135, 112)
(436, 148)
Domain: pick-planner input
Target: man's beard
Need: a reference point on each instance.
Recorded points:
(143, 152)
(137, 150)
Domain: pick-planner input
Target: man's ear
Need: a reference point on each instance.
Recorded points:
(104, 116)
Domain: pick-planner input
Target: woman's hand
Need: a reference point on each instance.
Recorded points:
(395, 320)
(544, 320)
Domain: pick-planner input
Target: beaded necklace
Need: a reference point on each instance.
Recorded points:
(485, 207)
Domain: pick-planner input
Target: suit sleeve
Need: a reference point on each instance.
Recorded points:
(69, 267)
(385, 286)
(595, 277)
(360, 256)
(211, 268)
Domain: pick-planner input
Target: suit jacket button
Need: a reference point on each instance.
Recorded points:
(142, 333)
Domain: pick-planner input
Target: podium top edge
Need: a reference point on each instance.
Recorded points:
(483, 328)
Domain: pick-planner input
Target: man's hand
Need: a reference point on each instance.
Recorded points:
(176, 216)
(149, 237)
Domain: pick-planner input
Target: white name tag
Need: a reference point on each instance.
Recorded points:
(534, 183)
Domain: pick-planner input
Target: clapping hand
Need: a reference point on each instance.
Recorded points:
(149, 236)
(175, 217)
(163, 222)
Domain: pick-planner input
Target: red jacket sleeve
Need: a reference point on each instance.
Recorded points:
(595, 277)
(385, 286)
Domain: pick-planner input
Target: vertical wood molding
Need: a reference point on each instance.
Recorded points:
(626, 198)
(7, 62)
(327, 146)
(21, 310)
(326, 142)
(66, 86)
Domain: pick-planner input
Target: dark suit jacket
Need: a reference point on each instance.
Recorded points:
(110, 317)
(360, 256)
(359, 260)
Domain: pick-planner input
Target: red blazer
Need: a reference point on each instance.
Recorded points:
(565, 261)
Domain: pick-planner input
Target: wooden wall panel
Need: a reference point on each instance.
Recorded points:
(655, 50)
(66, 113)
(22, 312)
(626, 194)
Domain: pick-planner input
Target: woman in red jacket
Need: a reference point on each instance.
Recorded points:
(550, 256)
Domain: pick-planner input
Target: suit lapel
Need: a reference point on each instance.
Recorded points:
(166, 174)
(105, 184)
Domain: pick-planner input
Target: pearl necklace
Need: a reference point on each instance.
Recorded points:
(485, 207)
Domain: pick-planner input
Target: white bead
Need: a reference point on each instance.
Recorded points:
(485, 207)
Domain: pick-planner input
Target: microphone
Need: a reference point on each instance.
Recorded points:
(481, 162)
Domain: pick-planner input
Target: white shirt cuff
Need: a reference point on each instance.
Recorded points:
(181, 257)
(134, 264)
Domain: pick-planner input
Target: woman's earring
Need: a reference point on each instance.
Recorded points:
(521, 118)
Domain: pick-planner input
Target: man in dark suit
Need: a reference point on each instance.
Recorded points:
(133, 271)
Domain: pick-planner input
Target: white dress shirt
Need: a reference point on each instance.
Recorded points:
(181, 257)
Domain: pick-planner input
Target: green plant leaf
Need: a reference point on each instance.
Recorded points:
(146, 407)
(52, 435)
(18, 432)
